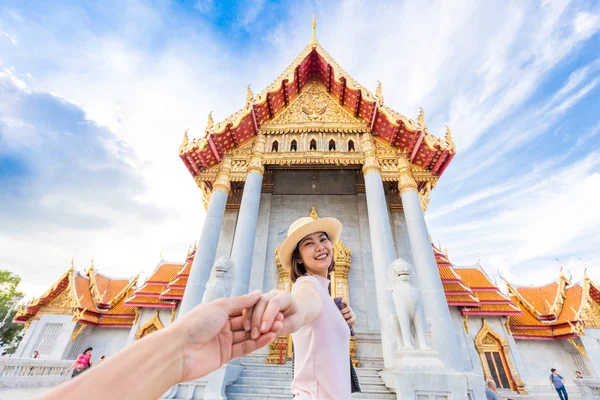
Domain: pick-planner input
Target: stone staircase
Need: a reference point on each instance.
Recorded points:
(263, 381)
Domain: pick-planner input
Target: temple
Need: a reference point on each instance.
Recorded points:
(317, 143)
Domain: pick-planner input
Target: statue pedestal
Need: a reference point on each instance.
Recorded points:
(420, 374)
(433, 384)
(417, 359)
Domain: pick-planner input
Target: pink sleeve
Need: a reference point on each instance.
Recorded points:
(307, 278)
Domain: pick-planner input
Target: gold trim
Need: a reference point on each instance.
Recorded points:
(76, 332)
(152, 325)
(579, 348)
(487, 341)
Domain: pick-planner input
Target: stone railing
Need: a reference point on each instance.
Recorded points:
(32, 372)
(589, 388)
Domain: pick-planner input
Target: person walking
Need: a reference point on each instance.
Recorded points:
(83, 362)
(319, 329)
(558, 382)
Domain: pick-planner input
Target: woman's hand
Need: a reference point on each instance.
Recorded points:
(213, 333)
(349, 315)
(261, 318)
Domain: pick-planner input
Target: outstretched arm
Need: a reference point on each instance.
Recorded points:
(199, 343)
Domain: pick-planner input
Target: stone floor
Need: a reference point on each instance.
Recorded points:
(21, 394)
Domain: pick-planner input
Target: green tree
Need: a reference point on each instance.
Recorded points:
(10, 334)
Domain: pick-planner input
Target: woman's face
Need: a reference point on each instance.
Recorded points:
(88, 352)
(316, 253)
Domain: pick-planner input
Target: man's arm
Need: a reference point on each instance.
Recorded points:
(199, 343)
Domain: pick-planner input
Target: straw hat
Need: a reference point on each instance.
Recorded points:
(303, 227)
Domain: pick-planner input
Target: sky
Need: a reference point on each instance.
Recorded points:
(95, 97)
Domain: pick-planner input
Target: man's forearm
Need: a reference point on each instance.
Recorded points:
(149, 370)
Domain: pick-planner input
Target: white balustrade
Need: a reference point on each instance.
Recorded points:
(32, 372)
(589, 388)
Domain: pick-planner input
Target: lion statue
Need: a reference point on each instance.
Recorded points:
(220, 282)
(409, 305)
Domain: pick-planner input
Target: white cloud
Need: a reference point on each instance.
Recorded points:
(473, 66)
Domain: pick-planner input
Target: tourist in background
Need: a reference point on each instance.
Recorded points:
(35, 354)
(558, 382)
(102, 357)
(490, 390)
(578, 375)
(319, 330)
(83, 362)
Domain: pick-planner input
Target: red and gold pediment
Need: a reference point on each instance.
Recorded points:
(315, 94)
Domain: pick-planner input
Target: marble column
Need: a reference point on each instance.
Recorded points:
(428, 277)
(245, 230)
(382, 247)
(208, 241)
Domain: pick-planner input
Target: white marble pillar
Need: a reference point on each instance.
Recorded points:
(207, 242)
(245, 231)
(430, 284)
(382, 247)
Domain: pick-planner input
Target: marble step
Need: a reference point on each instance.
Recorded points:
(243, 396)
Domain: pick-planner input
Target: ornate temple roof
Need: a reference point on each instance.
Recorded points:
(337, 103)
(557, 310)
(92, 298)
(470, 289)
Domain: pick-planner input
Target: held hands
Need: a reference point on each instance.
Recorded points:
(213, 333)
(263, 317)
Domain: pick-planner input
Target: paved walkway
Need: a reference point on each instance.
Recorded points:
(21, 394)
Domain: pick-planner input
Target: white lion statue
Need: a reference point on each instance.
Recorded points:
(220, 282)
(409, 307)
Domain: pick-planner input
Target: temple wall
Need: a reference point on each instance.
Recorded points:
(540, 355)
(470, 361)
(591, 342)
(59, 339)
(20, 352)
(105, 341)
(261, 248)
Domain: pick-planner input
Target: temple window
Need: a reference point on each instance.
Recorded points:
(313, 144)
(331, 145)
(494, 354)
(294, 145)
(351, 146)
(275, 147)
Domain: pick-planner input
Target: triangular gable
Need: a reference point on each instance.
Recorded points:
(314, 63)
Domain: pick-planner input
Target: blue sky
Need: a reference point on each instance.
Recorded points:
(95, 96)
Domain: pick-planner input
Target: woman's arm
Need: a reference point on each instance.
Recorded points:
(299, 309)
(199, 343)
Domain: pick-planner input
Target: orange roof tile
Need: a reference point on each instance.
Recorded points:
(165, 273)
(447, 273)
(179, 281)
(495, 308)
(570, 308)
(474, 278)
(455, 288)
(491, 296)
(149, 301)
(151, 289)
(115, 321)
(461, 299)
(83, 294)
(172, 292)
(541, 298)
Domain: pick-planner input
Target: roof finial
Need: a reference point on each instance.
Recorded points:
(210, 123)
(448, 139)
(421, 119)
(379, 92)
(249, 96)
(184, 142)
(313, 41)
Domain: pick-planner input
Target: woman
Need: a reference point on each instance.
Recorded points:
(83, 362)
(319, 331)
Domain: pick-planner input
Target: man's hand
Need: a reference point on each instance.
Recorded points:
(261, 318)
(212, 334)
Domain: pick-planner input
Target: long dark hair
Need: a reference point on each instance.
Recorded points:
(88, 349)
(298, 269)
